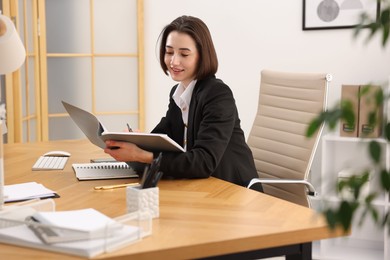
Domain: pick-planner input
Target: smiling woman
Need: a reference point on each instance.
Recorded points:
(181, 57)
(202, 115)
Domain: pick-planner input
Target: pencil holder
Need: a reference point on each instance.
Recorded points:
(138, 199)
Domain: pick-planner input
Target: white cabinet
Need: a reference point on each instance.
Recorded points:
(367, 241)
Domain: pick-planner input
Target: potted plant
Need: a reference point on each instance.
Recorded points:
(347, 210)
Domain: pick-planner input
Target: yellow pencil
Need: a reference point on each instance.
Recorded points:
(109, 187)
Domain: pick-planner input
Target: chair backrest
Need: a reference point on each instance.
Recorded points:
(288, 102)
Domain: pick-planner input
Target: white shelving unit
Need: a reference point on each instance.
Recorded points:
(366, 241)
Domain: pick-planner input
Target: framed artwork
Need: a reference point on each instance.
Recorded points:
(337, 14)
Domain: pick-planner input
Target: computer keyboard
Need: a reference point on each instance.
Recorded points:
(50, 163)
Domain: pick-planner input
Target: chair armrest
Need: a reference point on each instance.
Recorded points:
(310, 188)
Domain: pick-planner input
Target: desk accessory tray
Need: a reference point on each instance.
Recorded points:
(17, 229)
(143, 200)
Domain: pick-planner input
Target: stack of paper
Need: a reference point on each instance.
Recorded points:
(26, 191)
(76, 225)
(104, 233)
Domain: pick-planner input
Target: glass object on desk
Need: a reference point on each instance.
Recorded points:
(143, 200)
(73, 238)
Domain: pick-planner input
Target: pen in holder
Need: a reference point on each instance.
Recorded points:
(145, 197)
(152, 175)
(143, 200)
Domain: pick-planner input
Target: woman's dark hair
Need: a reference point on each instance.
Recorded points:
(198, 31)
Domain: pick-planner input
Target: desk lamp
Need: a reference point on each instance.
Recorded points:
(12, 56)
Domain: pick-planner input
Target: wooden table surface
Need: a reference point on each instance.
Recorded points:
(198, 218)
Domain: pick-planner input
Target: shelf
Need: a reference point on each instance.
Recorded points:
(338, 139)
(367, 241)
(379, 202)
(341, 153)
(336, 250)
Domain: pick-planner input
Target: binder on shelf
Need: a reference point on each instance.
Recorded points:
(350, 93)
(367, 106)
(362, 106)
(59, 233)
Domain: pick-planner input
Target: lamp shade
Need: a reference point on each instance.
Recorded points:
(12, 51)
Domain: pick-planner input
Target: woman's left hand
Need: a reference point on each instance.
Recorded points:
(127, 152)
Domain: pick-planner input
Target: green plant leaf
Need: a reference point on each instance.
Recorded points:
(370, 198)
(364, 90)
(345, 214)
(386, 220)
(314, 126)
(372, 118)
(331, 218)
(385, 21)
(387, 131)
(332, 117)
(341, 185)
(375, 151)
(374, 213)
(385, 180)
(379, 98)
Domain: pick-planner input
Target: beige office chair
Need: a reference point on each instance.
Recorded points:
(283, 154)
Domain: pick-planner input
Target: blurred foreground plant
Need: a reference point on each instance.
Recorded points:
(347, 210)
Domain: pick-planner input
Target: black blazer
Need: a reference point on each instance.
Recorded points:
(216, 144)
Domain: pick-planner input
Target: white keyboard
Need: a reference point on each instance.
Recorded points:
(50, 163)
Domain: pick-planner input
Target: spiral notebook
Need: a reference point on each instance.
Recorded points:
(109, 170)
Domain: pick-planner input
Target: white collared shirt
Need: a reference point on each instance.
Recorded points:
(182, 98)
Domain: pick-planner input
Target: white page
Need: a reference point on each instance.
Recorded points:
(23, 236)
(87, 220)
(26, 190)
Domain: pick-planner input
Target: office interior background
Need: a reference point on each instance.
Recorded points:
(253, 35)
(249, 36)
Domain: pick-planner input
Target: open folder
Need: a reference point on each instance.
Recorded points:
(97, 133)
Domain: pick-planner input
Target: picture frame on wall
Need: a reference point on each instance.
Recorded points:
(337, 14)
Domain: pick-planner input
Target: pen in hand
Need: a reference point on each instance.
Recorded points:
(129, 128)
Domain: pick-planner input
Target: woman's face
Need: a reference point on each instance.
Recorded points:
(181, 57)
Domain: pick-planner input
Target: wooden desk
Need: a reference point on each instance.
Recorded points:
(198, 218)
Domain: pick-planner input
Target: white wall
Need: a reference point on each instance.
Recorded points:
(251, 35)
